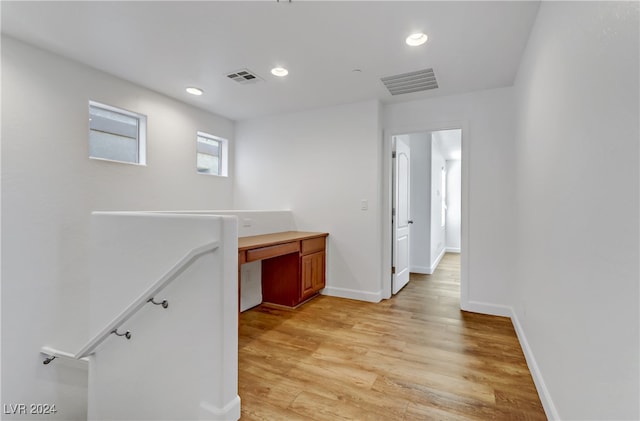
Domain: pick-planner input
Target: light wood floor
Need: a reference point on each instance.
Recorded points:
(413, 357)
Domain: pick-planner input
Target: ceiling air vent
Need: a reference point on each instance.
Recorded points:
(405, 83)
(244, 76)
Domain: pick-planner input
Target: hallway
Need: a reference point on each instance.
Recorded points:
(413, 357)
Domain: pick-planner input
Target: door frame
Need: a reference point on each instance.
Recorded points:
(394, 227)
(387, 203)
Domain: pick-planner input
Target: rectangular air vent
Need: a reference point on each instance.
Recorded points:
(405, 83)
(244, 76)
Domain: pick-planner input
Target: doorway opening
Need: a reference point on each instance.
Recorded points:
(430, 221)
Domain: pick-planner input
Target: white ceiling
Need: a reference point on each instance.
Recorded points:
(167, 46)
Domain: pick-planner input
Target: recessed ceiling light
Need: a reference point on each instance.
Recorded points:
(195, 91)
(416, 39)
(279, 71)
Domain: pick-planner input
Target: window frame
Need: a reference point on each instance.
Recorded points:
(141, 138)
(223, 153)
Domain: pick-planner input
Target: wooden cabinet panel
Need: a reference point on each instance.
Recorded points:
(281, 280)
(312, 245)
(312, 276)
(306, 281)
(319, 281)
(272, 251)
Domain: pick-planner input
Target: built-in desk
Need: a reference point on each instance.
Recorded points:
(293, 264)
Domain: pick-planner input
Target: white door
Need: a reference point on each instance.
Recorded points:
(401, 215)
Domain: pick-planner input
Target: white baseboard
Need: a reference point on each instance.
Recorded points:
(429, 270)
(507, 311)
(230, 412)
(435, 264)
(545, 397)
(372, 297)
(421, 270)
(487, 308)
(424, 270)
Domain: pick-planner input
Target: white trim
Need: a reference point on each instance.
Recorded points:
(486, 308)
(386, 201)
(507, 311)
(229, 412)
(465, 224)
(229, 361)
(435, 264)
(142, 132)
(95, 158)
(372, 297)
(48, 352)
(452, 249)
(423, 270)
(223, 170)
(545, 397)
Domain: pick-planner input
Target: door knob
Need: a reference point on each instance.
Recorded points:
(410, 221)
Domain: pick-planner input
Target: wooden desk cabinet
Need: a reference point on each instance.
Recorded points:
(293, 264)
(312, 267)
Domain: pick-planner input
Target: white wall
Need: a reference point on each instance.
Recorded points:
(487, 120)
(438, 234)
(250, 223)
(321, 164)
(454, 180)
(576, 294)
(169, 369)
(49, 188)
(420, 244)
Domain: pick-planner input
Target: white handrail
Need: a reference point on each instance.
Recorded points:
(53, 353)
(139, 302)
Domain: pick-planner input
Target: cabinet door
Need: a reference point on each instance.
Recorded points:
(306, 288)
(318, 270)
(312, 274)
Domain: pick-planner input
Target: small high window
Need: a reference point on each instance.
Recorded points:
(116, 134)
(211, 155)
